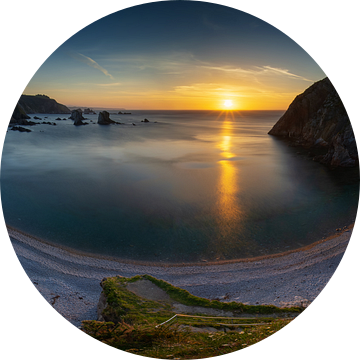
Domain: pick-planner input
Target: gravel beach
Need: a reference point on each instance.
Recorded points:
(70, 281)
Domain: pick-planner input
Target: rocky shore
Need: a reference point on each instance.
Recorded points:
(70, 281)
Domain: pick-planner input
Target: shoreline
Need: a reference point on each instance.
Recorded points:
(31, 238)
(70, 281)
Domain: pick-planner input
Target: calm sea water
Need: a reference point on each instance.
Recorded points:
(194, 186)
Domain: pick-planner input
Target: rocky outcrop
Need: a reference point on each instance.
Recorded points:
(41, 104)
(20, 128)
(76, 115)
(104, 119)
(317, 119)
(102, 305)
(19, 116)
(89, 111)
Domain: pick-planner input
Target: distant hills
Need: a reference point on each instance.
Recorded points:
(43, 104)
(35, 104)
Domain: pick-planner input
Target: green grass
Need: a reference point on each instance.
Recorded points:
(184, 297)
(131, 323)
(124, 305)
(169, 342)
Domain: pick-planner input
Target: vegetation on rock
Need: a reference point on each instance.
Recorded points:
(142, 326)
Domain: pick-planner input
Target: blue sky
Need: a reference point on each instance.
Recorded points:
(177, 55)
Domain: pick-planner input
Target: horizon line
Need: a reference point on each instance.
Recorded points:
(123, 109)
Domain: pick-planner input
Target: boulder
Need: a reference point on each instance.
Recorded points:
(104, 119)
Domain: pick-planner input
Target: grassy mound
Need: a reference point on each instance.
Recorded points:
(133, 323)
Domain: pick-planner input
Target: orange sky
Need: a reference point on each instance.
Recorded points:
(177, 56)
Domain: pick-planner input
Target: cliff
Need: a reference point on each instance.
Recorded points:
(317, 119)
(41, 104)
(19, 116)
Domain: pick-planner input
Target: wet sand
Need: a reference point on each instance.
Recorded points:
(70, 281)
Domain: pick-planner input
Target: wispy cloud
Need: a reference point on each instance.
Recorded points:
(284, 72)
(230, 69)
(218, 90)
(211, 89)
(110, 84)
(257, 71)
(92, 63)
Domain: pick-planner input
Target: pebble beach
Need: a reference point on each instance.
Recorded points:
(70, 281)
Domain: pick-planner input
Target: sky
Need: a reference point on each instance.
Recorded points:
(177, 55)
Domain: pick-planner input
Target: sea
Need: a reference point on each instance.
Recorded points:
(185, 187)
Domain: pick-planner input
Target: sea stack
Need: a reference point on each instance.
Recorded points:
(104, 119)
(317, 119)
(76, 115)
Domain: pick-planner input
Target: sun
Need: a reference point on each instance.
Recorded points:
(228, 104)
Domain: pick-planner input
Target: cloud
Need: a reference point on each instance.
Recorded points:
(230, 69)
(110, 85)
(257, 71)
(284, 72)
(211, 90)
(92, 63)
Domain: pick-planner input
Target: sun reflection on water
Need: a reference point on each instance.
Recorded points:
(228, 209)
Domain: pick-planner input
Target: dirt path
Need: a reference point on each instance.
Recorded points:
(146, 289)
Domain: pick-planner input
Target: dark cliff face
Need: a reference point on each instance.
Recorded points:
(41, 105)
(318, 119)
(19, 115)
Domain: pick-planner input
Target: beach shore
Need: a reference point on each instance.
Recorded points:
(70, 281)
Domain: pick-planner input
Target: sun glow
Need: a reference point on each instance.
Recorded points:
(228, 104)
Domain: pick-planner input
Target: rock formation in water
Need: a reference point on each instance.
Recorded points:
(76, 115)
(19, 116)
(89, 111)
(35, 104)
(41, 104)
(20, 128)
(104, 119)
(317, 119)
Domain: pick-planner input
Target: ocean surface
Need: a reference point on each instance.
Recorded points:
(188, 186)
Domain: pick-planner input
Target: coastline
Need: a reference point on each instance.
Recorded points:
(30, 239)
(70, 281)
